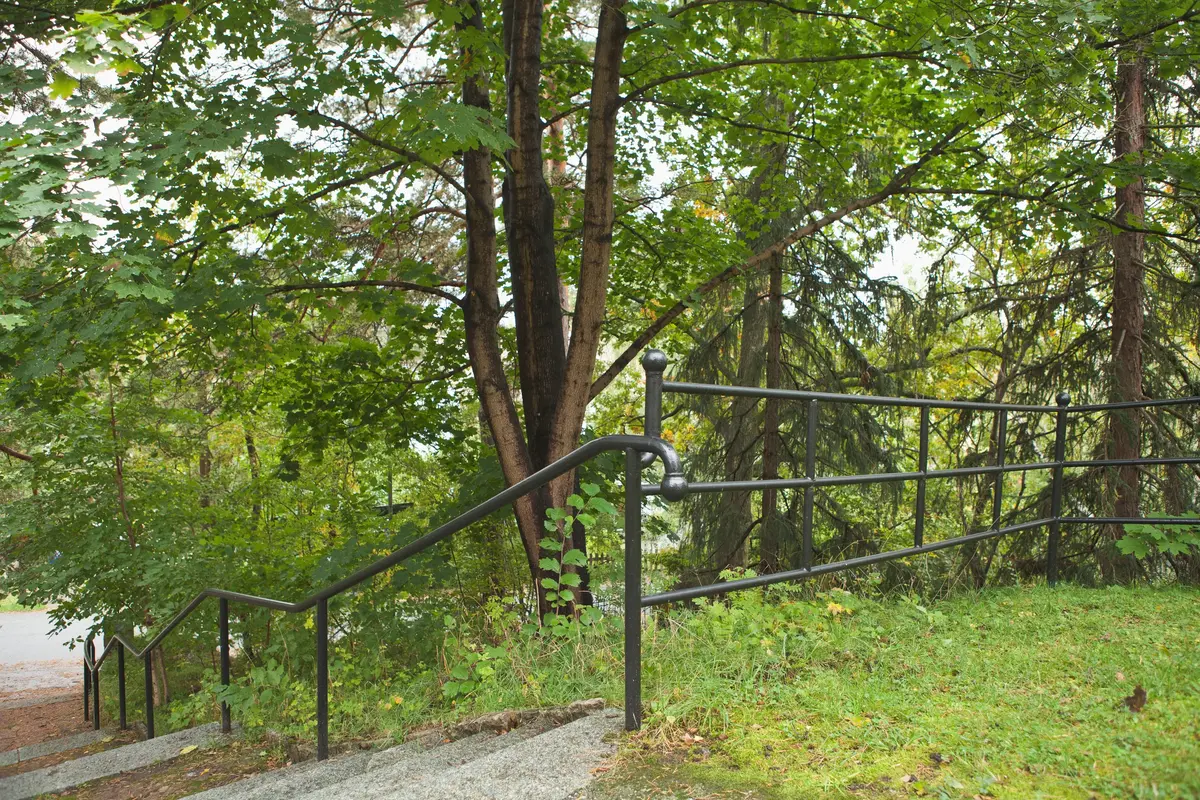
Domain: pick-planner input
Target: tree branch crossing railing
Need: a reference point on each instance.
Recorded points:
(640, 452)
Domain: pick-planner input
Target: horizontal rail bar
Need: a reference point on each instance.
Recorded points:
(1132, 462)
(693, 592)
(673, 487)
(1132, 520)
(707, 487)
(857, 399)
(1132, 404)
(677, 387)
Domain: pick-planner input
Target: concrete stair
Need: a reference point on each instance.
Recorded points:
(538, 760)
(69, 774)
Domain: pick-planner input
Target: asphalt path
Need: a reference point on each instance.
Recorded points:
(35, 658)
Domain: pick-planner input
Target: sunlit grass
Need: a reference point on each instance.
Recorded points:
(1011, 693)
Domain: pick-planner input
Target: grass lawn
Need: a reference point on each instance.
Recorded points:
(795, 693)
(1008, 694)
(9, 603)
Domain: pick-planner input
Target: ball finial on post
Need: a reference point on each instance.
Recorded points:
(654, 361)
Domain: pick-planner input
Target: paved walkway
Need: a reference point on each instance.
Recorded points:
(33, 660)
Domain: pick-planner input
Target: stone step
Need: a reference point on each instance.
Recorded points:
(32, 751)
(295, 780)
(553, 765)
(414, 765)
(110, 762)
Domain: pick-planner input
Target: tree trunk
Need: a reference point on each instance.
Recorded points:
(256, 473)
(770, 541)
(205, 467)
(529, 226)
(740, 435)
(1127, 308)
(481, 312)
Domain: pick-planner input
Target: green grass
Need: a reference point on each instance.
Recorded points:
(1008, 694)
(9, 603)
(794, 693)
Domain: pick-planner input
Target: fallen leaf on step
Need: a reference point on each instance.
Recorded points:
(191, 748)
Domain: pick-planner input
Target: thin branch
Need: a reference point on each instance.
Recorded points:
(383, 284)
(308, 198)
(391, 148)
(1045, 200)
(1191, 13)
(789, 9)
(908, 55)
(15, 453)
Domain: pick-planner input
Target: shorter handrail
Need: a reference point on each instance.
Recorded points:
(673, 486)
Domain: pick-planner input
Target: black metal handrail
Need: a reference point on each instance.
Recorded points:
(673, 486)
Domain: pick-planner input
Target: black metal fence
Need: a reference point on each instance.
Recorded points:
(655, 363)
(640, 452)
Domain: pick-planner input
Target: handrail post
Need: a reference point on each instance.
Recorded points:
(922, 467)
(87, 684)
(223, 626)
(810, 472)
(148, 658)
(121, 683)
(322, 679)
(654, 362)
(1001, 447)
(633, 590)
(95, 687)
(1060, 450)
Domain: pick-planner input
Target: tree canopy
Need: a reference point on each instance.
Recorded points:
(266, 267)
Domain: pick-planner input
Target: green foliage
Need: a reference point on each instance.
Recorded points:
(560, 580)
(1171, 540)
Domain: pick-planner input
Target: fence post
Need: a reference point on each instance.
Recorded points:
(121, 682)
(223, 625)
(654, 362)
(922, 467)
(633, 590)
(322, 679)
(810, 472)
(1060, 450)
(1001, 446)
(149, 664)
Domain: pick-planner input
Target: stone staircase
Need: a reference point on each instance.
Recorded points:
(544, 758)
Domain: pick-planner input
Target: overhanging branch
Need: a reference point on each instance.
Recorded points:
(15, 453)
(893, 187)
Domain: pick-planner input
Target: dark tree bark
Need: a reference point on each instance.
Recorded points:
(255, 474)
(740, 435)
(529, 225)
(481, 311)
(770, 540)
(1128, 312)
